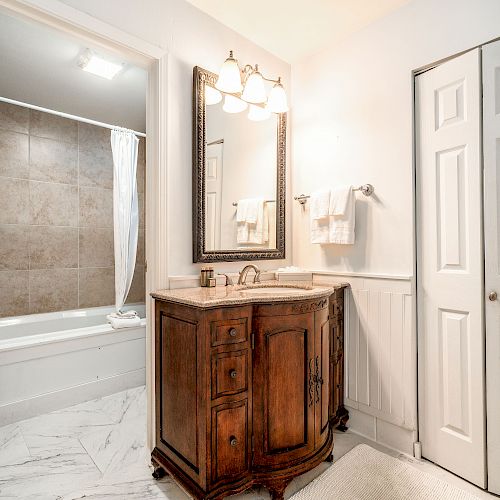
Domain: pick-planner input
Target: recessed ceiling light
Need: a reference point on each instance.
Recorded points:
(99, 66)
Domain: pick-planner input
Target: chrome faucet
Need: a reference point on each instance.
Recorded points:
(243, 274)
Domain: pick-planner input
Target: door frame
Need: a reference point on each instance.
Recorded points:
(154, 59)
(414, 74)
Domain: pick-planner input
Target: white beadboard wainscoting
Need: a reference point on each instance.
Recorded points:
(380, 358)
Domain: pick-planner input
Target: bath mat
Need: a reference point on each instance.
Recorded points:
(368, 474)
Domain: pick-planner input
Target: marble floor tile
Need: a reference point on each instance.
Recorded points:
(97, 451)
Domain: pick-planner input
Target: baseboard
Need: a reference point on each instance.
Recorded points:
(382, 432)
(45, 403)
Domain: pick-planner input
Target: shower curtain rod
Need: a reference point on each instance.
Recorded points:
(65, 115)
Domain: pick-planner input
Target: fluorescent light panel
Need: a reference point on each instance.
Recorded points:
(101, 67)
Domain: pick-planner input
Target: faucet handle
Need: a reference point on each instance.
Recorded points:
(256, 278)
(229, 280)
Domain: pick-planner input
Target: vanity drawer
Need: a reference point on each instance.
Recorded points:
(229, 373)
(230, 438)
(229, 331)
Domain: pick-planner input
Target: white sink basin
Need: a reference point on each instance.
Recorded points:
(274, 290)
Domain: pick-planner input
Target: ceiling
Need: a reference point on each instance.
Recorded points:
(294, 29)
(39, 66)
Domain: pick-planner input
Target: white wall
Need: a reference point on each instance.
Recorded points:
(352, 124)
(192, 38)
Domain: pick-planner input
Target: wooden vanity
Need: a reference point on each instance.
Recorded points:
(249, 386)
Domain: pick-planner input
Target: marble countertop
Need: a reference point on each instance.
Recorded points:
(236, 294)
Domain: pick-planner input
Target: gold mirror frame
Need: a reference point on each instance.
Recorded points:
(200, 78)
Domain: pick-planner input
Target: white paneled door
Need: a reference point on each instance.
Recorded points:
(213, 195)
(491, 149)
(450, 269)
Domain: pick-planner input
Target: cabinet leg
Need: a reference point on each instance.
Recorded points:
(343, 415)
(277, 489)
(329, 458)
(158, 472)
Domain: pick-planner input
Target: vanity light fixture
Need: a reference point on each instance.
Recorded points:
(91, 63)
(248, 85)
(212, 96)
(233, 104)
(258, 114)
(229, 76)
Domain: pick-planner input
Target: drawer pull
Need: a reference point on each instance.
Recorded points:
(233, 373)
(233, 441)
(232, 332)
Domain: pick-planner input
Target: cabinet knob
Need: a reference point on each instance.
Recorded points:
(233, 441)
(493, 296)
(232, 332)
(233, 373)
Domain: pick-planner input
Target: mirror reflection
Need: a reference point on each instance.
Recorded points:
(241, 173)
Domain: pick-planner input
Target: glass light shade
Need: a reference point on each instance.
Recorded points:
(258, 114)
(229, 76)
(234, 105)
(212, 96)
(255, 91)
(277, 103)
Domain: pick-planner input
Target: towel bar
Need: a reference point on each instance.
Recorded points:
(235, 203)
(366, 189)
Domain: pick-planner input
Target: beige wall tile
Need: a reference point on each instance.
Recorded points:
(96, 247)
(14, 201)
(53, 247)
(53, 290)
(137, 291)
(141, 202)
(53, 161)
(96, 167)
(14, 118)
(53, 127)
(141, 248)
(14, 294)
(53, 204)
(92, 136)
(13, 247)
(97, 287)
(14, 154)
(96, 207)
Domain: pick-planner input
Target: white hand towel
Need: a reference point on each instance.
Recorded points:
(341, 227)
(339, 200)
(257, 231)
(254, 209)
(124, 320)
(241, 232)
(320, 204)
(242, 210)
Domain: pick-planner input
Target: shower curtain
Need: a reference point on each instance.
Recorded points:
(124, 145)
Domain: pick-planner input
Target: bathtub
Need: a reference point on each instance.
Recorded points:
(53, 360)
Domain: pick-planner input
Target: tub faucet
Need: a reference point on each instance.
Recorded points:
(243, 274)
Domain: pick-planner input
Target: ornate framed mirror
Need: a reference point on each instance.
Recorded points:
(239, 177)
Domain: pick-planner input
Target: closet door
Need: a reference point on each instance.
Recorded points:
(450, 267)
(491, 148)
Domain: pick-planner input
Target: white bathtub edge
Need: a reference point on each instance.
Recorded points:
(45, 403)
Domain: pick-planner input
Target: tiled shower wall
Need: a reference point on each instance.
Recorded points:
(56, 214)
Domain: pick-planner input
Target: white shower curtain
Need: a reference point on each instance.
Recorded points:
(124, 145)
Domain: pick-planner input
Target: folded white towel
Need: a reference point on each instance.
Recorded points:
(320, 204)
(252, 221)
(124, 320)
(258, 233)
(241, 232)
(242, 210)
(342, 221)
(254, 209)
(339, 200)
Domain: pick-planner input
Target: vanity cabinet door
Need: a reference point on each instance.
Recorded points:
(283, 385)
(322, 375)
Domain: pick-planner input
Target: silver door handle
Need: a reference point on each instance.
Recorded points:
(493, 296)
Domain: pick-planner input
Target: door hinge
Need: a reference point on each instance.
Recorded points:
(252, 340)
(145, 266)
(253, 447)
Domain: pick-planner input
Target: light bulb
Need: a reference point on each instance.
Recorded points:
(229, 77)
(212, 96)
(234, 105)
(276, 103)
(254, 91)
(258, 114)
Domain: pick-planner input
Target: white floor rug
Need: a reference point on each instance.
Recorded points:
(367, 474)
